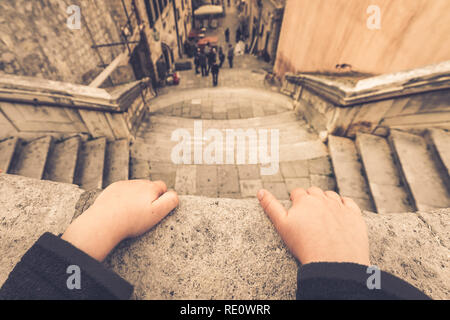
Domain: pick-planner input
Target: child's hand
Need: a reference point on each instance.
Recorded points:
(124, 209)
(320, 226)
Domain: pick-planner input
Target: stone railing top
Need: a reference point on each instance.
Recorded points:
(345, 93)
(48, 92)
(218, 248)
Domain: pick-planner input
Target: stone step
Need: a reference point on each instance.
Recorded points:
(62, 161)
(162, 151)
(117, 161)
(348, 171)
(7, 149)
(439, 143)
(298, 134)
(90, 165)
(180, 122)
(139, 169)
(31, 157)
(382, 175)
(419, 171)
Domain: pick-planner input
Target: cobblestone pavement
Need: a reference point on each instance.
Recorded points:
(240, 102)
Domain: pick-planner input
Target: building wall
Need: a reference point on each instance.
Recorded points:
(162, 29)
(317, 35)
(36, 41)
(269, 28)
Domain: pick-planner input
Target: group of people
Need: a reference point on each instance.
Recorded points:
(210, 59)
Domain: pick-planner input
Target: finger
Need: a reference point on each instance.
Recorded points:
(272, 207)
(163, 205)
(314, 191)
(333, 195)
(158, 188)
(297, 194)
(348, 202)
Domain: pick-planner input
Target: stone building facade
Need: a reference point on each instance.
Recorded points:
(36, 38)
(264, 24)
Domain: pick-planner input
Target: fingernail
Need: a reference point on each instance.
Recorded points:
(260, 194)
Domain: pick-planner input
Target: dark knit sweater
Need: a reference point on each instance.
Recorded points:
(42, 274)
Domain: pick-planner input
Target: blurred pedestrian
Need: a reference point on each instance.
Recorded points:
(197, 60)
(212, 57)
(230, 55)
(221, 57)
(203, 63)
(215, 73)
(227, 35)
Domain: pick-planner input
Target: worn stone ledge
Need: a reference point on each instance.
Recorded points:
(218, 248)
(47, 92)
(387, 86)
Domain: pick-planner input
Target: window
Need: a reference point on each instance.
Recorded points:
(148, 6)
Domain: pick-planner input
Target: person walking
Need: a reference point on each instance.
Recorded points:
(238, 34)
(215, 73)
(227, 35)
(212, 57)
(197, 60)
(230, 55)
(203, 63)
(221, 57)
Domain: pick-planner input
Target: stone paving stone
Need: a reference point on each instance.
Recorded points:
(230, 195)
(186, 111)
(246, 112)
(228, 179)
(258, 111)
(220, 115)
(323, 182)
(139, 169)
(207, 115)
(233, 113)
(186, 180)
(293, 183)
(207, 108)
(294, 169)
(320, 166)
(168, 178)
(278, 189)
(177, 111)
(249, 188)
(277, 177)
(207, 184)
(249, 172)
(196, 111)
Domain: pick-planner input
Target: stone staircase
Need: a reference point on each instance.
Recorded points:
(401, 173)
(90, 164)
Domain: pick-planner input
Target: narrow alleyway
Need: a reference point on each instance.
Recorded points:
(242, 101)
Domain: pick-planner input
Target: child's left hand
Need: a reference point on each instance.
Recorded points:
(124, 209)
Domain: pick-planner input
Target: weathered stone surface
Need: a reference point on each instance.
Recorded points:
(218, 248)
(62, 161)
(348, 171)
(31, 158)
(419, 171)
(117, 162)
(91, 161)
(7, 148)
(29, 208)
(382, 175)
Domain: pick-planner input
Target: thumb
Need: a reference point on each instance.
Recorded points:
(272, 207)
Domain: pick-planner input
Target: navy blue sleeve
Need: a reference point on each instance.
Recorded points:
(348, 281)
(42, 274)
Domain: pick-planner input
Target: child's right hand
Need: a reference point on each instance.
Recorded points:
(320, 226)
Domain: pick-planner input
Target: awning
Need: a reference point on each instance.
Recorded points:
(208, 10)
